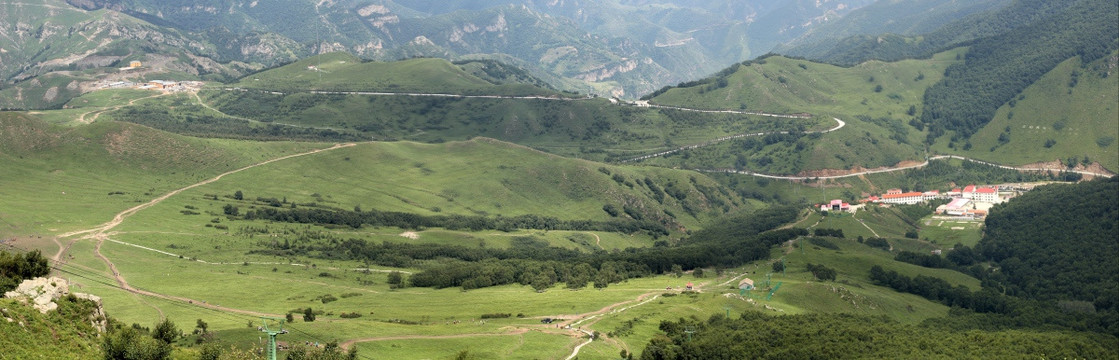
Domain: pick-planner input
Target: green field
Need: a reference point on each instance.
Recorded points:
(947, 233)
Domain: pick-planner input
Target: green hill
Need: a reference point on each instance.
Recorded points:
(878, 102)
(998, 68)
(106, 167)
(345, 72)
(1068, 112)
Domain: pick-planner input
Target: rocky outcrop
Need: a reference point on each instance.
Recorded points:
(42, 294)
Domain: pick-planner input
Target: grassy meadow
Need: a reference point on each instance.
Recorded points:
(345, 72)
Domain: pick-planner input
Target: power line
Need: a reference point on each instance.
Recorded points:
(108, 281)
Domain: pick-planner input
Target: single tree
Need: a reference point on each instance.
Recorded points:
(165, 331)
(202, 326)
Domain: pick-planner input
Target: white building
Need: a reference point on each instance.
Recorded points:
(908, 198)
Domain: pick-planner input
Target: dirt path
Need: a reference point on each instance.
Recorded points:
(597, 240)
(839, 125)
(133, 210)
(101, 233)
(211, 108)
(348, 343)
(97, 113)
(872, 231)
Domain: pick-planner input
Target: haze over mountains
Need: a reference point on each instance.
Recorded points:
(617, 48)
(653, 179)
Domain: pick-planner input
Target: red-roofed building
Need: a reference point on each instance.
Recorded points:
(930, 195)
(983, 194)
(986, 194)
(893, 191)
(903, 198)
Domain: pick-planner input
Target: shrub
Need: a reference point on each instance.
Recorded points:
(822, 242)
(497, 316)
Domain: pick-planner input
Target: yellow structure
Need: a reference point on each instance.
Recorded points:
(135, 64)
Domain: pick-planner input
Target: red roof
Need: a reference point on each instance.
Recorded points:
(969, 188)
(903, 195)
(986, 191)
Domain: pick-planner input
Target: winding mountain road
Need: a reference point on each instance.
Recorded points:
(899, 168)
(839, 125)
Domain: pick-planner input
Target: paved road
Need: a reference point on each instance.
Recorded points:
(893, 169)
(839, 125)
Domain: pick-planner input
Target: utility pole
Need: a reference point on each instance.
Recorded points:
(272, 334)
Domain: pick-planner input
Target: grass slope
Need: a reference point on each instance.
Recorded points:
(65, 333)
(478, 177)
(873, 98)
(345, 72)
(1073, 105)
(60, 178)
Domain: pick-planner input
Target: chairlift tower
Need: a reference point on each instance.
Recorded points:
(689, 330)
(272, 334)
(773, 291)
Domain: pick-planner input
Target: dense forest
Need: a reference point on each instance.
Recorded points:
(1059, 242)
(756, 335)
(997, 68)
(356, 219)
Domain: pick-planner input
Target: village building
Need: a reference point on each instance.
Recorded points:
(836, 205)
(746, 284)
(957, 207)
(982, 194)
(908, 198)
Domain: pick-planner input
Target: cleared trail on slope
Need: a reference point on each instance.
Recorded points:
(839, 125)
(100, 234)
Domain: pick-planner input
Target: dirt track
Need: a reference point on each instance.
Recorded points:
(100, 234)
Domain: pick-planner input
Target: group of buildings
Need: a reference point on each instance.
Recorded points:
(971, 201)
(161, 85)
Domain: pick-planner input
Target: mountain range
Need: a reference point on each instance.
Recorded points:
(616, 48)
